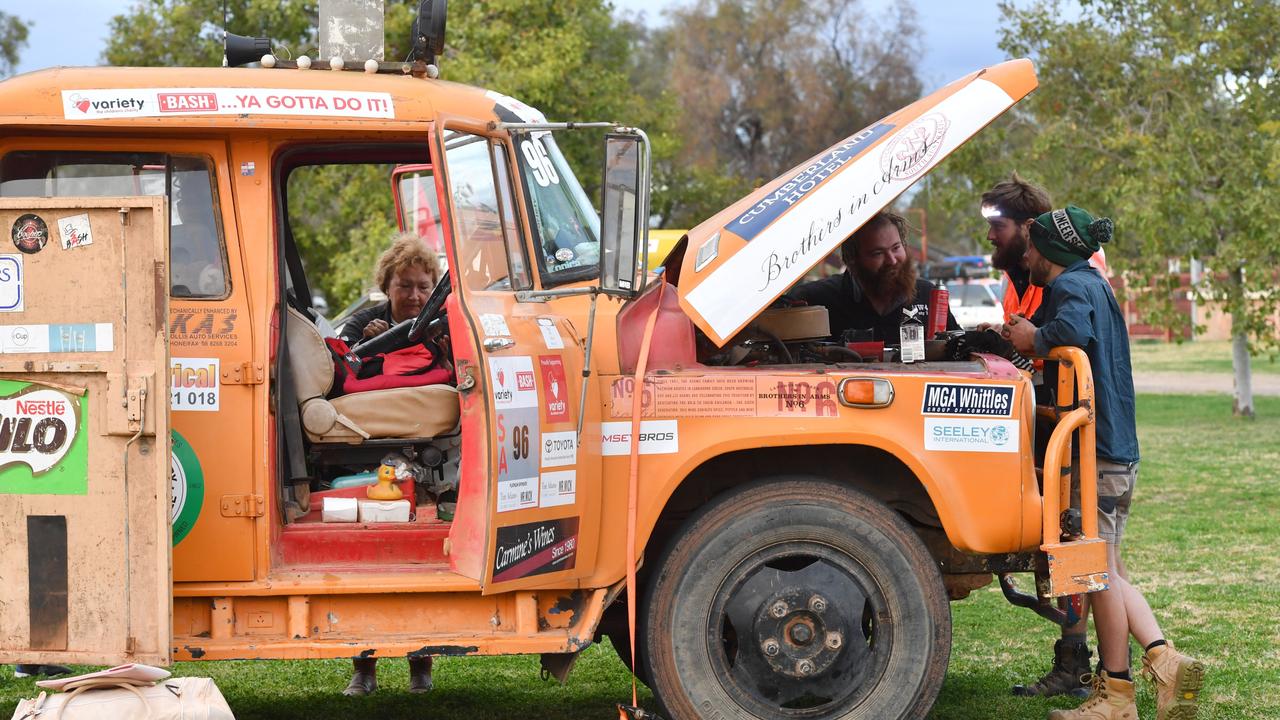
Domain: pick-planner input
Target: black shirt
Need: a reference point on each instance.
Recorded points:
(353, 328)
(849, 308)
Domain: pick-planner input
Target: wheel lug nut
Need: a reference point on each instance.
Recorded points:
(804, 667)
(834, 641)
(818, 604)
(801, 634)
(770, 647)
(779, 609)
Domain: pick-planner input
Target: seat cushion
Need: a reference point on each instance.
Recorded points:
(309, 357)
(411, 412)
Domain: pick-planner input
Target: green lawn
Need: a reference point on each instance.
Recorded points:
(1199, 356)
(1201, 545)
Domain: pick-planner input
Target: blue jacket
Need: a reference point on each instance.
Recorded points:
(1080, 310)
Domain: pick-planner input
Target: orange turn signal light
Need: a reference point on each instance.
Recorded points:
(866, 392)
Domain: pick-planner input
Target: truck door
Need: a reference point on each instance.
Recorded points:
(528, 362)
(84, 431)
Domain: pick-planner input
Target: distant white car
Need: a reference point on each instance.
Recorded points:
(975, 302)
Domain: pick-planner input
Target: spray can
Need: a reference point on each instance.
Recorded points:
(939, 306)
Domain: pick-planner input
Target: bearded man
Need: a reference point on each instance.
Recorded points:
(880, 286)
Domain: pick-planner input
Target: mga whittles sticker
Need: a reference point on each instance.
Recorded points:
(967, 399)
(43, 445)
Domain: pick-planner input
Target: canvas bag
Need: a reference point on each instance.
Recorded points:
(184, 698)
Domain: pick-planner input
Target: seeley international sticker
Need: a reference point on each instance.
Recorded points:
(966, 435)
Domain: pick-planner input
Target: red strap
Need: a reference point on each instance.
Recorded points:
(633, 485)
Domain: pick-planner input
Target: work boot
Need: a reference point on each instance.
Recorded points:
(22, 671)
(365, 678)
(1177, 678)
(1109, 699)
(420, 674)
(1070, 663)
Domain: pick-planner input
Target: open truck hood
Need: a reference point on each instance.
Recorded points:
(738, 262)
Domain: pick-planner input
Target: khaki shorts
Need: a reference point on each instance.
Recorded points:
(1115, 495)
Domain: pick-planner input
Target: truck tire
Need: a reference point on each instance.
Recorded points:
(796, 597)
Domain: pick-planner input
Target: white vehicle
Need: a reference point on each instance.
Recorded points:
(974, 302)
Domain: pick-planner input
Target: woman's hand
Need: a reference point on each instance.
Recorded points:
(375, 327)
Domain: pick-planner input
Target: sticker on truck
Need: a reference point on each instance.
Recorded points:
(657, 437)
(963, 435)
(43, 445)
(111, 104)
(535, 548)
(967, 399)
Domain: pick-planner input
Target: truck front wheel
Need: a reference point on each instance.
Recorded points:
(796, 598)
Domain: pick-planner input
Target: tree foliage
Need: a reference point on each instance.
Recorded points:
(1159, 113)
(13, 37)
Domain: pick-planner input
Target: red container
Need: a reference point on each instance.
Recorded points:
(871, 350)
(939, 306)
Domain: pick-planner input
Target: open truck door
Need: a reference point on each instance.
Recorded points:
(84, 424)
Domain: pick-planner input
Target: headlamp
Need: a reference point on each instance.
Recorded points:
(991, 211)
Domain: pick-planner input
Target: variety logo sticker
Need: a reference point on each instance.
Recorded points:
(155, 102)
(194, 384)
(555, 388)
(12, 293)
(535, 548)
(967, 399)
(963, 435)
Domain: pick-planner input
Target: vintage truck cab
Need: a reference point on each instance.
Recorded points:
(171, 430)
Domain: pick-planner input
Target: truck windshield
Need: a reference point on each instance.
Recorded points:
(566, 228)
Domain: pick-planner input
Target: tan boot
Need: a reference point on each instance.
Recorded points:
(1110, 699)
(1178, 679)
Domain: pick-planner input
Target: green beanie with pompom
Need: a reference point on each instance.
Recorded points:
(1069, 235)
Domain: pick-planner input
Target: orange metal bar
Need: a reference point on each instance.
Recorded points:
(1075, 378)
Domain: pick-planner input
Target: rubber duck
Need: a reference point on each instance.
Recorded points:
(385, 488)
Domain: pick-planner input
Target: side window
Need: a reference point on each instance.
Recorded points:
(520, 276)
(197, 255)
(482, 254)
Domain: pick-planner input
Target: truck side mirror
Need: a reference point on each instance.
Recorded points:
(624, 220)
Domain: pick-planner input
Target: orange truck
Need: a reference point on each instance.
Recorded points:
(170, 441)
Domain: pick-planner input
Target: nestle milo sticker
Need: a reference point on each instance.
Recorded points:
(43, 441)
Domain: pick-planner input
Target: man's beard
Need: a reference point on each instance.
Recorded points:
(1039, 271)
(1009, 258)
(890, 282)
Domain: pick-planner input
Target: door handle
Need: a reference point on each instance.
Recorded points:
(493, 344)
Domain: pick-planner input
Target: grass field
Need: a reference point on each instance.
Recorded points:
(1201, 545)
(1199, 356)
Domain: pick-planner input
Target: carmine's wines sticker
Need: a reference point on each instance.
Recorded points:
(30, 233)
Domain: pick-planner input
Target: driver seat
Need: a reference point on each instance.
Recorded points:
(410, 413)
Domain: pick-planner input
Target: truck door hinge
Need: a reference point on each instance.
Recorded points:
(246, 373)
(243, 506)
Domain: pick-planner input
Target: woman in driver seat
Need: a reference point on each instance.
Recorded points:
(407, 272)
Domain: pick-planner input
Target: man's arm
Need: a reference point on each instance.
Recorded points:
(1071, 324)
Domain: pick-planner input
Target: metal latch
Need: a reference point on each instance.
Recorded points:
(135, 397)
(243, 506)
(246, 373)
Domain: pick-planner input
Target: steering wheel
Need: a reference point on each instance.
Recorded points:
(432, 308)
(407, 332)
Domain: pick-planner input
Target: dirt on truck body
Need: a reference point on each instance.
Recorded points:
(800, 523)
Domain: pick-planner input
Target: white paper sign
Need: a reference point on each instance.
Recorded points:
(559, 449)
(657, 437)
(550, 334)
(558, 488)
(517, 494)
(964, 435)
(194, 384)
(12, 295)
(75, 231)
(494, 325)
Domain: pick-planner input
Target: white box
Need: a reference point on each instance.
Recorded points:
(339, 510)
(375, 511)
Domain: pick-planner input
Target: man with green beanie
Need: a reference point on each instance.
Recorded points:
(1079, 310)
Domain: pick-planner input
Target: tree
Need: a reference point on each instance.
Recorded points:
(569, 58)
(764, 85)
(13, 37)
(1159, 113)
